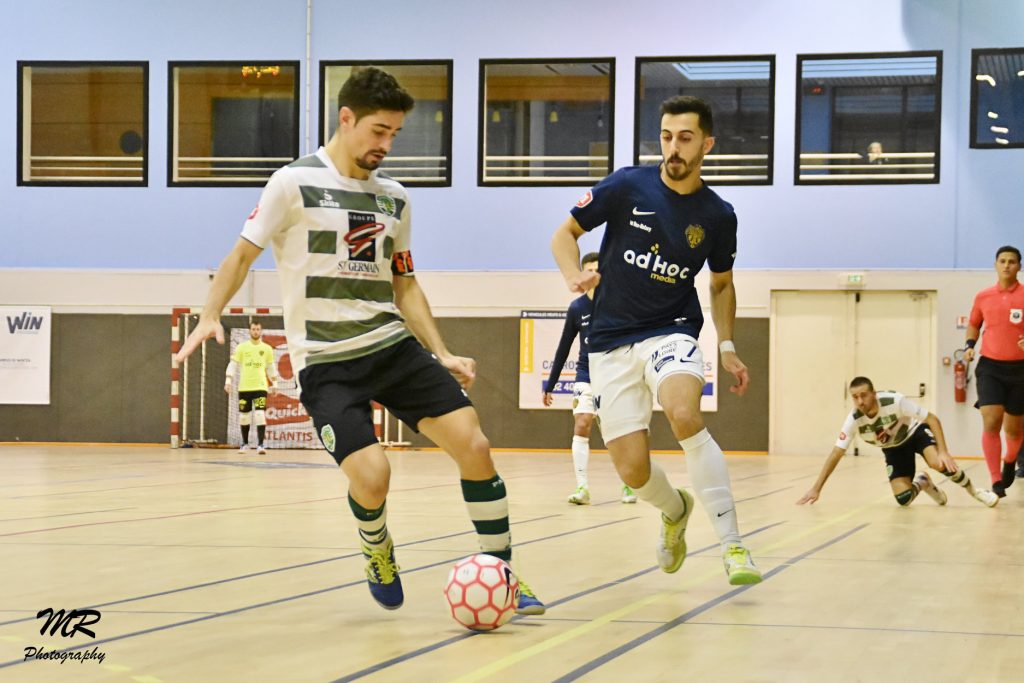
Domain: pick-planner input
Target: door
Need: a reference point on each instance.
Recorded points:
(823, 339)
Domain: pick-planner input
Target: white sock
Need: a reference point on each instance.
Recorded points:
(710, 480)
(580, 457)
(659, 493)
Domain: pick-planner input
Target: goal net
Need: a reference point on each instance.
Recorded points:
(204, 415)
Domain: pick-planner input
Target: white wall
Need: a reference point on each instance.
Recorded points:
(955, 223)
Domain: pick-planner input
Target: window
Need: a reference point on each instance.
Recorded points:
(868, 118)
(231, 123)
(997, 98)
(83, 123)
(741, 92)
(546, 122)
(421, 154)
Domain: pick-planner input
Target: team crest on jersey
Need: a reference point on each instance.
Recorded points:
(361, 237)
(587, 197)
(386, 204)
(327, 437)
(694, 235)
(1016, 315)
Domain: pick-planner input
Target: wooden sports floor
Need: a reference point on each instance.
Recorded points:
(207, 565)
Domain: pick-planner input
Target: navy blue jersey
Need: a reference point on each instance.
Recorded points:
(655, 243)
(577, 322)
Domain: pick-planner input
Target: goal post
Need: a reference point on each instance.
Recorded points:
(204, 415)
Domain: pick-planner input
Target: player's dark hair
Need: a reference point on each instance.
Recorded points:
(589, 258)
(1008, 249)
(370, 89)
(861, 382)
(254, 321)
(687, 104)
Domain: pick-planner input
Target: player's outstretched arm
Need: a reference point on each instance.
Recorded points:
(229, 278)
(833, 459)
(566, 251)
(415, 308)
(723, 313)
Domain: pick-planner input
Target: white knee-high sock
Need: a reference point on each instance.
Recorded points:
(659, 493)
(710, 479)
(580, 458)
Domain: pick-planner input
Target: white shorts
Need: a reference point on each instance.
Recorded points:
(625, 379)
(582, 399)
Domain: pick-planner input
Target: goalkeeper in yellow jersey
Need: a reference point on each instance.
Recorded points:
(256, 360)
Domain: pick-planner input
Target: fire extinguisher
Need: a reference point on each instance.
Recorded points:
(959, 377)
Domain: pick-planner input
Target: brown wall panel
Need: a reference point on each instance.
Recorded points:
(110, 380)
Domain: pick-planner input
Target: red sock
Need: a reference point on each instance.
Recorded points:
(992, 447)
(1012, 448)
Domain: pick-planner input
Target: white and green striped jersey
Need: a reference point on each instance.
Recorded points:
(895, 421)
(337, 243)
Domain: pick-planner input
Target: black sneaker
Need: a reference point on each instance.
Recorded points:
(1008, 474)
(999, 489)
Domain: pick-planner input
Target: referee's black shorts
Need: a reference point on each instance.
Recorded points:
(404, 377)
(1000, 383)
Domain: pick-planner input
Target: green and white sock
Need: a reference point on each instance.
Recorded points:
(373, 527)
(487, 503)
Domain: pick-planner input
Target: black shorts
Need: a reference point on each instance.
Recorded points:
(249, 400)
(404, 377)
(899, 460)
(1000, 383)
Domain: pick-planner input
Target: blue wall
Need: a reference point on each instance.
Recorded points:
(956, 223)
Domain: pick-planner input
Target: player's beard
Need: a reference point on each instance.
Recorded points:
(367, 163)
(687, 166)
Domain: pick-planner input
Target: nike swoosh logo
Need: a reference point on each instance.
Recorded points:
(726, 512)
(637, 212)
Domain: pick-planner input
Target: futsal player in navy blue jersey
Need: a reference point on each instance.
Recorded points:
(577, 324)
(663, 225)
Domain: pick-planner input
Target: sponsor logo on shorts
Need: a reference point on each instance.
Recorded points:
(327, 437)
(663, 362)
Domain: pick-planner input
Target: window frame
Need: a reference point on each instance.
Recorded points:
(640, 61)
(801, 58)
(20, 147)
(976, 53)
(449, 125)
(238, 63)
(482, 121)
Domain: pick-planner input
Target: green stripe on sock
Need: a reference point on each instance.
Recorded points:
(483, 491)
(491, 526)
(364, 514)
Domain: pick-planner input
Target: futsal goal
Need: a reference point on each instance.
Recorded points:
(203, 415)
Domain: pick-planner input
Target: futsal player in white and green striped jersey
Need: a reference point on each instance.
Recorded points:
(359, 327)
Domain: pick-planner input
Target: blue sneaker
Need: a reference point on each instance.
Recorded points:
(382, 575)
(528, 602)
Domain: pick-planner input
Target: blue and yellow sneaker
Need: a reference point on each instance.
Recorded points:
(528, 602)
(672, 549)
(382, 575)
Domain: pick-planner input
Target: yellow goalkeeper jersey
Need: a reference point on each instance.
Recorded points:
(254, 359)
